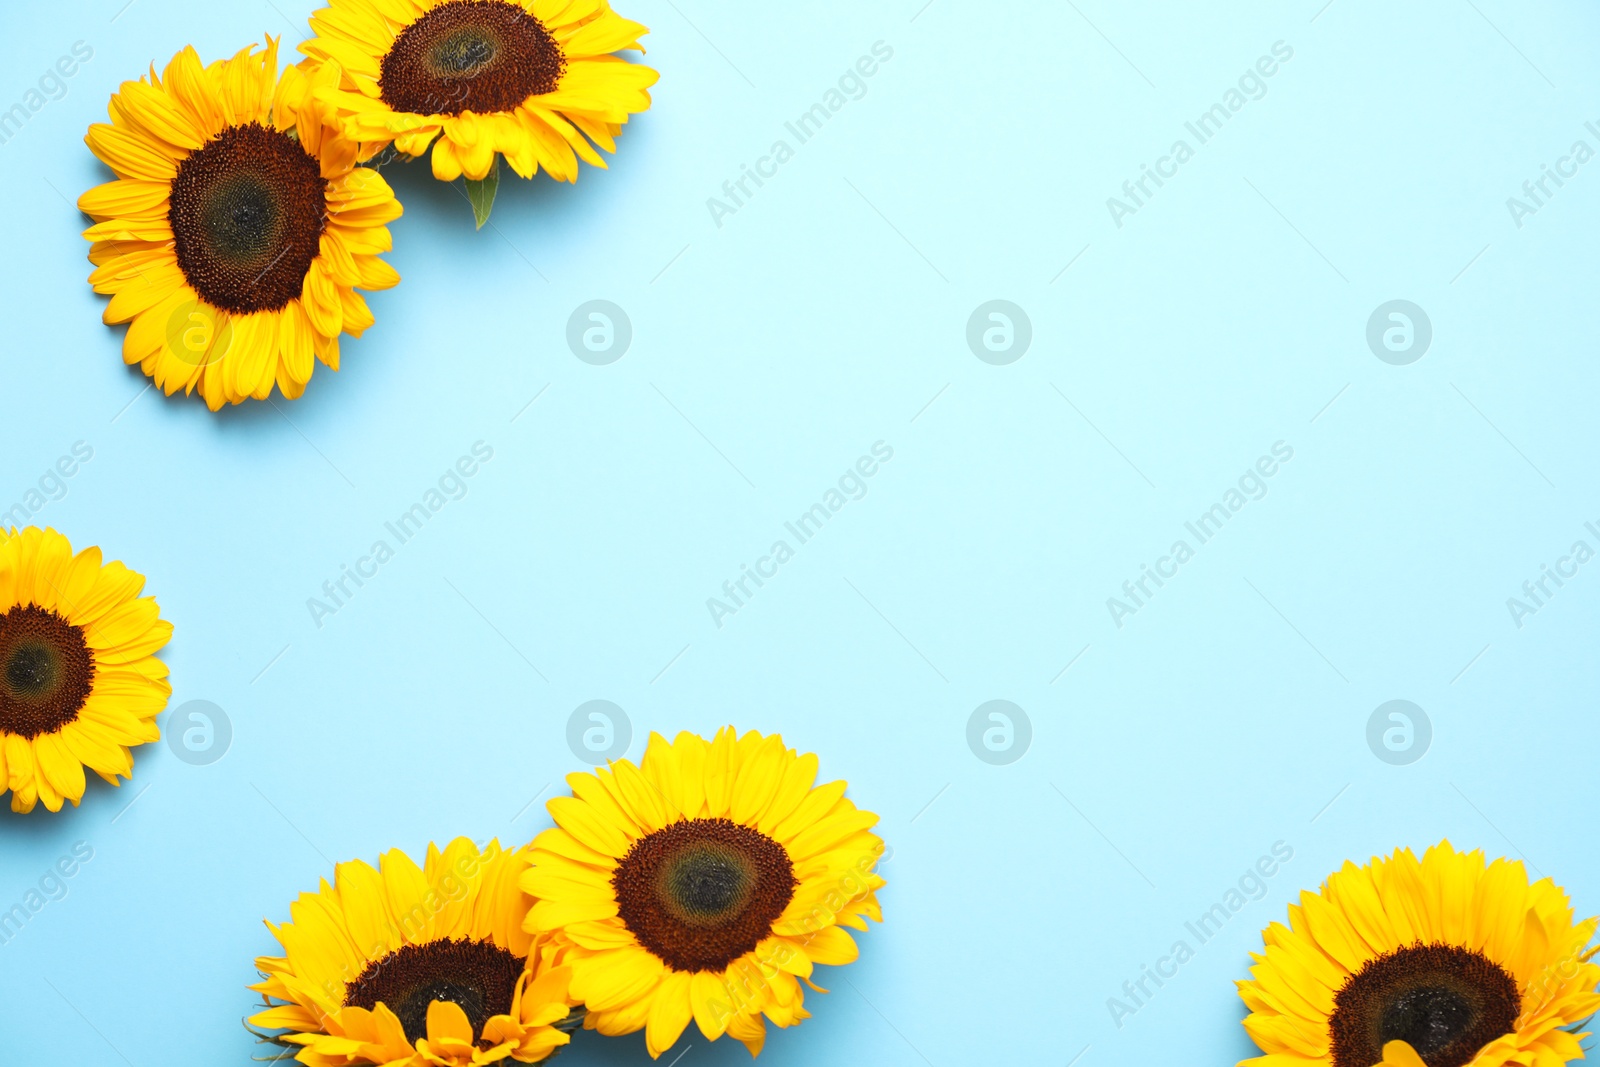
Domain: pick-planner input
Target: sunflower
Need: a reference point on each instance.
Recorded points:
(534, 81)
(79, 681)
(238, 228)
(1442, 963)
(422, 967)
(703, 884)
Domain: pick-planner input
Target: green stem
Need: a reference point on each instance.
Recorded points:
(480, 194)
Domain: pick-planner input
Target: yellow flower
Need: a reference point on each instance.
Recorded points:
(1443, 963)
(532, 80)
(79, 681)
(238, 229)
(421, 967)
(703, 884)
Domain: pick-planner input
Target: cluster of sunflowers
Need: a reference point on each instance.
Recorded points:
(248, 207)
(705, 883)
(701, 885)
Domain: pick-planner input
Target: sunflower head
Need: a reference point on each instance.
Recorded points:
(426, 966)
(534, 81)
(79, 682)
(703, 884)
(238, 227)
(1443, 962)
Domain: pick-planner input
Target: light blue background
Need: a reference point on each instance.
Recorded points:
(770, 353)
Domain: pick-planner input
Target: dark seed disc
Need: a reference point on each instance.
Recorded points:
(46, 671)
(702, 892)
(478, 976)
(247, 212)
(482, 56)
(1445, 1001)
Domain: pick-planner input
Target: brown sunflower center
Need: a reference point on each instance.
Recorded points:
(46, 671)
(247, 212)
(703, 892)
(1445, 1001)
(480, 977)
(481, 56)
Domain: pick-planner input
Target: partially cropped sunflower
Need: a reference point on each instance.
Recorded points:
(421, 967)
(703, 885)
(79, 681)
(238, 229)
(1445, 962)
(534, 81)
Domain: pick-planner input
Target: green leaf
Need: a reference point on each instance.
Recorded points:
(481, 194)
